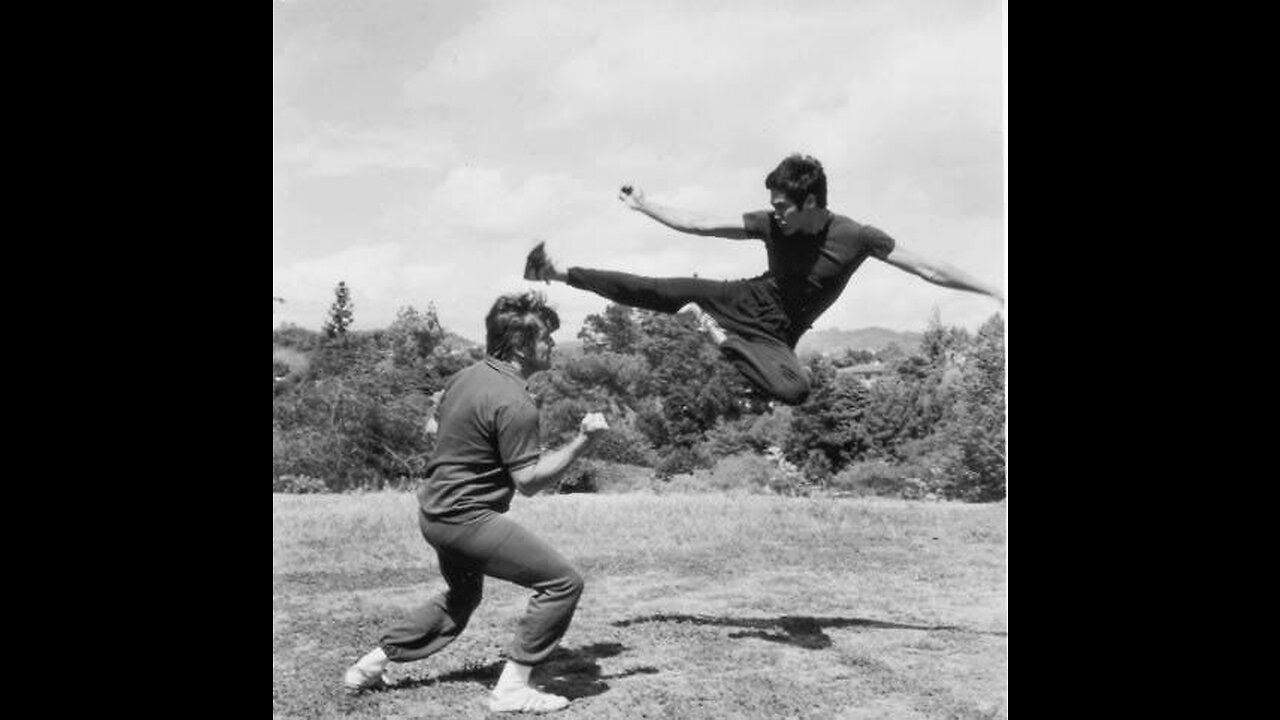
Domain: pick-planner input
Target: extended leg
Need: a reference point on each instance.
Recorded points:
(665, 295)
(428, 628)
(432, 626)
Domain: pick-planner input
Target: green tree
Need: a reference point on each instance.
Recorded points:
(830, 423)
(414, 336)
(341, 313)
(352, 422)
(978, 425)
(662, 382)
(695, 384)
(940, 345)
(600, 381)
(950, 420)
(614, 330)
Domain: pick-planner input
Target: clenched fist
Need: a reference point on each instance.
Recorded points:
(631, 196)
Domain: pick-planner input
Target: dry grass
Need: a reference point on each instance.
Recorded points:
(696, 606)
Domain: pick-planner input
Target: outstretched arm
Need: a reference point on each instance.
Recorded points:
(531, 479)
(938, 273)
(684, 221)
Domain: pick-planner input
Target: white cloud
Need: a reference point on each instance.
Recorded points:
(327, 150)
(523, 122)
(482, 202)
(347, 153)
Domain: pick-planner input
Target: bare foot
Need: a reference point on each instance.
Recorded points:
(706, 323)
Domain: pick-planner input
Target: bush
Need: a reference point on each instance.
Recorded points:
(300, 452)
(621, 478)
(301, 484)
(817, 468)
(832, 421)
(595, 476)
(687, 484)
(653, 427)
(960, 463)
(680, 460)
(976, 468)
(561, 419)
(752, 433)
(744, 471)
(624, 444)
(877, 477)
(292, 336)
(359, 431)
(581, 478)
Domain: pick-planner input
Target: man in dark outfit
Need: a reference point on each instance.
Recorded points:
(757, 322)
(487, 447)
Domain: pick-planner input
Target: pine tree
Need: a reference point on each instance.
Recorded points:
(341, 312)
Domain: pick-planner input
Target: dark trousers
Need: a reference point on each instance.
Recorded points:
(496, 546)
(761, 337)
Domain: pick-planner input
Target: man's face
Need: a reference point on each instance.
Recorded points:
(538, 357)
(792, 218)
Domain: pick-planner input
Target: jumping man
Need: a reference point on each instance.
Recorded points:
(757, 322)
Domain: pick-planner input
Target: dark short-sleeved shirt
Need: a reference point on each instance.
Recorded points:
(488, 426)
(811, 270)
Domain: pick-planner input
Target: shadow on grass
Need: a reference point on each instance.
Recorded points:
(573, 673)
(800, 631)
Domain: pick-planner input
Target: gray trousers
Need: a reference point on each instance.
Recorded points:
(498, 547)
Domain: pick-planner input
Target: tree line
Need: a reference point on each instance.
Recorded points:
(932, 424)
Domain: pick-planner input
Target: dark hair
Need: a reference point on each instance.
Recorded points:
(516, 320)
(797, 177)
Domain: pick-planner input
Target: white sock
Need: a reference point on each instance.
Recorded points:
(514, 676)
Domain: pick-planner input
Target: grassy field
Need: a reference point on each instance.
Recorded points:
(696, 606)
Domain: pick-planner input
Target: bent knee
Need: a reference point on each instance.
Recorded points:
(571, 583)
(794, 387)
(793, 394)
(463, 602)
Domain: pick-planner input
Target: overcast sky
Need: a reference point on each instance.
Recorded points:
(418, 147)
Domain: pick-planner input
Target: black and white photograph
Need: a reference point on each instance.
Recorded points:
(640, 359)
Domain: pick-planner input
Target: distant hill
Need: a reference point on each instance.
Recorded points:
(836, 341)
